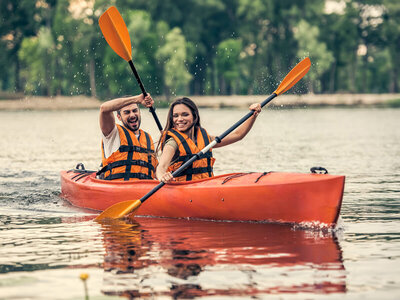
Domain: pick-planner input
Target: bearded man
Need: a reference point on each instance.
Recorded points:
(128, 151)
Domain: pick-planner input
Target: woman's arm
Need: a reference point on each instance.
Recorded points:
(164, 162)
(243, 129)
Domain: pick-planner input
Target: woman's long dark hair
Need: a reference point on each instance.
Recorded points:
(170, 123)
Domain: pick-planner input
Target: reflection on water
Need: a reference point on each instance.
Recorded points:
(186, 259)
(37, 242)
(45, 243)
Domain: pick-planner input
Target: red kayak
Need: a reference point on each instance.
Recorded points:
(268, 197)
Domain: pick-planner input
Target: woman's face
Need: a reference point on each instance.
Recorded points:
(182, 118)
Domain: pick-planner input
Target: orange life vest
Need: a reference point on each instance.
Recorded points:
(134, 159)
(202, 167)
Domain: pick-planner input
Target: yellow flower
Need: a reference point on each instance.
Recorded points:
(84, 276)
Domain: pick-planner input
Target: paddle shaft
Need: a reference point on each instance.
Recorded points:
(217, 140)
(152, 109)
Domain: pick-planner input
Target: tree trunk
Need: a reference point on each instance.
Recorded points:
(213, 79)
(92, 78)
(229, 88)
(17, 79)
(216, 79)
(332, 78)
(59, 77)
(311, 87)
(222, 86)
(394, 86)
(49, 65)
(167, 92)
(364, 71)
(353, 72)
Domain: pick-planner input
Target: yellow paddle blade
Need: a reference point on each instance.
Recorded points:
(116, 33)
(119, 210)
(294, 76)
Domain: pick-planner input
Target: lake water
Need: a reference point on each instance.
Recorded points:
(45, 244)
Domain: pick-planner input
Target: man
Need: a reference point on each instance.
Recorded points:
(128, 151)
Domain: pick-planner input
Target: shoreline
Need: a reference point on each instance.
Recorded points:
(232, 101)
(306, 100)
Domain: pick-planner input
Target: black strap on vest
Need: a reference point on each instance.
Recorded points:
(206, 142)
(129, 162)
(188, 172)
(183, 142)
(130, 155)
(148, 151)
(130, 175)
(126, 148)
(187, 150)
(185, 158)
(192, 171)
(121, 163)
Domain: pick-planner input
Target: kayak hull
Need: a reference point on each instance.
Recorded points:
(272, 197)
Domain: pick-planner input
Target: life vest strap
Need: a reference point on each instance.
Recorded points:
(191, 171)
(136, 162)
(185, 158)
(131, 148)
(205, 136)
(127, 176)
(182, 141)
(149, 150)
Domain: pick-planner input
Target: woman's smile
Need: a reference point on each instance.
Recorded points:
(182, 118)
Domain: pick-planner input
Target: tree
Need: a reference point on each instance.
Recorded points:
(391, 35)
(144, 39)
(266, 28)
(222, 46)
(227, 61)
(173, 55)
(34, 56)
(310, 45)
(19, 19)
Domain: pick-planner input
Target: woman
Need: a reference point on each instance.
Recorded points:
(183, 136)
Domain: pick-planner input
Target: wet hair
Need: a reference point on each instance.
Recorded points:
(170, 123)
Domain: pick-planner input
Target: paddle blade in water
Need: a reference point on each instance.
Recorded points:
(294, 76)
(116, 33)
(119, 210)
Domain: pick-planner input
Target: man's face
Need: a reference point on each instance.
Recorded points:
(130, 117)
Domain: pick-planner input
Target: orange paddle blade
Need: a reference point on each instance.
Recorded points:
(294, 76)
(119, 210)
(116, 33)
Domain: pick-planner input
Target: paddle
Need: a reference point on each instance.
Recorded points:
(117, 36)
(121, 209)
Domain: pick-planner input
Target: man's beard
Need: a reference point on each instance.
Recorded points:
(133, 128)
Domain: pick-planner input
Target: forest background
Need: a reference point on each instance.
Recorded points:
(199, 47)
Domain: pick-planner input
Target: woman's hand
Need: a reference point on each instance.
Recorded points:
(256, 107)
(167, 177)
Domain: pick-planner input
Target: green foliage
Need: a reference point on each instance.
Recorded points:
(54, 47)
(34, 54)
(310, 45)
(227, 61)
(172, 55)
(18, 19)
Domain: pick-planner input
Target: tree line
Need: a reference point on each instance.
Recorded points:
(202, 47)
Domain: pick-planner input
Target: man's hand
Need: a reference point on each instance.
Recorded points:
(147, 101)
